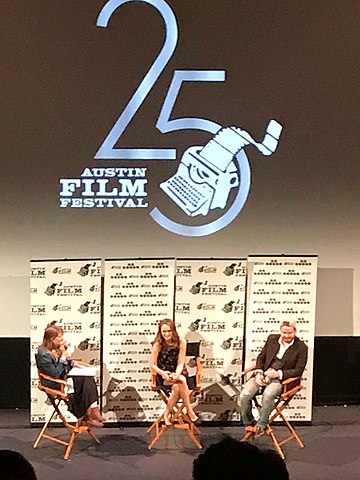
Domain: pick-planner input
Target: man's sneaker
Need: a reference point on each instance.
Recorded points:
(260, 431)
(251, 429)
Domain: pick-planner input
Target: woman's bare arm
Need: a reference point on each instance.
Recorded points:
(181, 359)
(153, 361)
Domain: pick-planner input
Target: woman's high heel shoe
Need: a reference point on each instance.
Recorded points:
(167, 419)
(193, 417)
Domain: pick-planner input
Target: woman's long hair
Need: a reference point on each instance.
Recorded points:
(51, 332)
(175, 341)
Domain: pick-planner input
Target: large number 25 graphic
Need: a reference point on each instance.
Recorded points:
(108, 151)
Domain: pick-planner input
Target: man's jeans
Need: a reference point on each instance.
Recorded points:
(270, 394)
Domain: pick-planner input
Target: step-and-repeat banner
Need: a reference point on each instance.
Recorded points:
(282, 288)
(209, 309)
(209, 300)
(137, 295)
(68, 292)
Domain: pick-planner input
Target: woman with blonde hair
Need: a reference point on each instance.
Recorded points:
(168, 362)
(54, 360)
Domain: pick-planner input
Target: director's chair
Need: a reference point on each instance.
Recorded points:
(180, 419)
(291, 387)
(57, 397)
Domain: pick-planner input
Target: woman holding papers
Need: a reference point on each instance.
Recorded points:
(53, 359)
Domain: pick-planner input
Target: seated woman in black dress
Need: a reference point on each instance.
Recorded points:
(53, 359)
(167, 361)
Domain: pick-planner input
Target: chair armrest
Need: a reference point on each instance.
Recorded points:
(290, 380)
(49, 390)
(52, 379)
(245, 374)
(248, 370)
(154, 387)
(288, 389)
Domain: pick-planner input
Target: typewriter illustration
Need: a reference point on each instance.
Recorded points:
(206, 174)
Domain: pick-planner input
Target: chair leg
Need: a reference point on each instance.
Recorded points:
(190, 422)
(249, 433)
(293, 434)
(277, 446)
(195, 429)
(156, 423)
(74, 430)
(159, 434)
(180, 420)
(187, 424)
(93, 436)
(41, 434)
(70, 445)
(77, 429)
(296, 436)
(280, 405)
(246, 437)
(292, 431)
(193, 438)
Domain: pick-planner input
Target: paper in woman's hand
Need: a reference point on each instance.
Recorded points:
(79, 371)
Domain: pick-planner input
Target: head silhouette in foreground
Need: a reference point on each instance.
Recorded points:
(230, 459)
(14, 466)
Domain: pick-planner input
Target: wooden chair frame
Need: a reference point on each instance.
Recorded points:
(291, 387)
(56, 397)
(180, 419)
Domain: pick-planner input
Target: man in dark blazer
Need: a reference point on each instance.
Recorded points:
(283, 356)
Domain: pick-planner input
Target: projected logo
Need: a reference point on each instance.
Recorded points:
(206, 175)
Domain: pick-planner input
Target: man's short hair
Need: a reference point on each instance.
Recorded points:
(233, 460)
(288, 323)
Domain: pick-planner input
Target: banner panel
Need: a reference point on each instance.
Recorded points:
(209, 309)
(68, 292)
(137, 295)
(283, 288)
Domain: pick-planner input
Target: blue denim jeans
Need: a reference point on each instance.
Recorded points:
(270, 394)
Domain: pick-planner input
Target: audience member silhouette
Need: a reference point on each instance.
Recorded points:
(230, 459)
(14, 466)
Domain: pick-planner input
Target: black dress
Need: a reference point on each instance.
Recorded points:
(85, 394)
(168, 360)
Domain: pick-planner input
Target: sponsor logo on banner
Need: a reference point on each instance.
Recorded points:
(62, 270)
(207, 269)
(62, 308)
(90, 269)
(184, 271)
(206, 306)
(38, 272)
(38, 310)
(62, 290)
(72, 327)
(213, 362)
(182, 308)
(213, 289)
